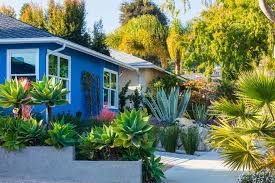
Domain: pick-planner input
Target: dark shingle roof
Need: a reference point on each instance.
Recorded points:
(13, 28)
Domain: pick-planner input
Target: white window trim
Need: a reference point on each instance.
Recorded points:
(109, 93)
(9, 54)
(69, 70)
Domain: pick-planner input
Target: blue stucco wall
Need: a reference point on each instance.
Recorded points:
(79, 62)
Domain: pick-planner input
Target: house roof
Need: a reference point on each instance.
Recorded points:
(13, 31)
(137, 62)
(13, 28)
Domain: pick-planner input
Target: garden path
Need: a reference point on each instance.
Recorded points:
(206, 168)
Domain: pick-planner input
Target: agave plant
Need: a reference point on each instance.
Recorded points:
(168, 109)
(98, 142)
(61, 135)
(132, 128)
(200, 113)
(246, 134)
(50, 92)
(15, 93)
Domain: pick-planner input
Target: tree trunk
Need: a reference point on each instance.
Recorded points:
(266, 9)
(49, 111)
(178, 63)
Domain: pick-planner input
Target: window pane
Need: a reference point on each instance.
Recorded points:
(113, 81)
(23, 63)
(113, 98)
(105, 97)
(53, 65)
(106, 79)
(64, 68)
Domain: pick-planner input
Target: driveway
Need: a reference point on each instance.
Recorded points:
(205, 168)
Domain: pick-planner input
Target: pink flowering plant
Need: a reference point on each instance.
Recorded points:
(106, 116)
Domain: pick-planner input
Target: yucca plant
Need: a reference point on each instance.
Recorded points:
(132, 128)
(15, 93)
(61, 135)
(168, 108)
(190, 139)
(246, 135)
(50, 92)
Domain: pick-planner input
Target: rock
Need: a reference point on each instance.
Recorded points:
(184, 122)
(203, 144)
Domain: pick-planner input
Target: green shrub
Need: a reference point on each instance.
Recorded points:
(61, 135)
(169, 138)
(190, 139)
(16, 133)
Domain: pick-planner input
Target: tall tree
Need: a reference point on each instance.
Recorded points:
(137, 8)
(33, 14)
(233, 34)
(75, 15)
(7, 10)
(143, 36)
(175, 44)
(98, 39)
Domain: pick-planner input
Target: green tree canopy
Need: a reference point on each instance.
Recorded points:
(98, 39)
(233, 34)
(143, 36)
(136, 8)
(66, 20)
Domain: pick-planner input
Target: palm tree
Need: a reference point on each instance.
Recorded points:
(49, 92)
(143, 36)
(246, 135)
(175, 44)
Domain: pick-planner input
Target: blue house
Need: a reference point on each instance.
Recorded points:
(28, 52)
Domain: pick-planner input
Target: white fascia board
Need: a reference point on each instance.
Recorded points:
(68, 44)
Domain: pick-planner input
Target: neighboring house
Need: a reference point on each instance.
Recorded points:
(216, 76)
(26, 51)
(141, 78)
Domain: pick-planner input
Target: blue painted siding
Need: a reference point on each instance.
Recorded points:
(79, 62)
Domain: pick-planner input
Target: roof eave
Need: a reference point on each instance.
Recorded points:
(68, 44)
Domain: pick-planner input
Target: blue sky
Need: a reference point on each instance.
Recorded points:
(108, 10)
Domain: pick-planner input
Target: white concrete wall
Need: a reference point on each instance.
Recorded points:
(47, 163)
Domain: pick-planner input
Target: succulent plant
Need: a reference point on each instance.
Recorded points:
(168, 108)
(132, 128)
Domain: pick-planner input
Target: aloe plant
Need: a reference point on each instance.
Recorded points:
(50, 92)
(168, 108)
(200, 113)
(132, 128)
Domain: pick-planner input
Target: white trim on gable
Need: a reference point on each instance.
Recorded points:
(68, 44)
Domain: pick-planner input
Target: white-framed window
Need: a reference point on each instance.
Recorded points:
(23, 63)
(59, 67)
(110, 87)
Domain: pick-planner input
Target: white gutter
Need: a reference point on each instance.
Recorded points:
(68, 44)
